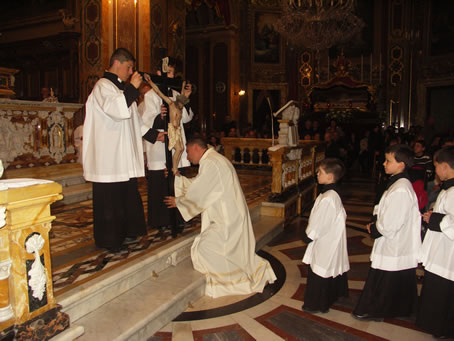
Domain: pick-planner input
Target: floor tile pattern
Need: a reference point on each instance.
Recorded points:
(280, 317)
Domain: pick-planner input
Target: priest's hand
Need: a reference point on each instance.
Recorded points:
(170, 202)
(166, 172)
(136, 79)
(368, 227)
(161, 136)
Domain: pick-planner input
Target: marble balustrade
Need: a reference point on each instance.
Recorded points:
(290, 165)
(247, 151)
(36, 134)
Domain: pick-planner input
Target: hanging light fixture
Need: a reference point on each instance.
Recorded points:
(319, 24)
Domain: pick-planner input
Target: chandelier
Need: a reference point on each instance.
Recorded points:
(319, 24)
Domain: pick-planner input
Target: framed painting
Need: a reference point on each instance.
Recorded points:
(266, 41)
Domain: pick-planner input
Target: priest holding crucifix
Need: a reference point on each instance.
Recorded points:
(154, 113)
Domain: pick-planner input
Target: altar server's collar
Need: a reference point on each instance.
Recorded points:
(114, 79)
(334, 187)
(447, 184)
(394, 178)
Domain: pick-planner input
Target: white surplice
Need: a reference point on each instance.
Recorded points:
(225, 248)
(149, 109)
(112, 145)
(327, 254)
(437, 253)
(399, 223)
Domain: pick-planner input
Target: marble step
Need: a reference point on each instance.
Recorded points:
(89, 296)
(69, 176)
(158, 286)
(76, 193)
(139, 313)
(65, 174)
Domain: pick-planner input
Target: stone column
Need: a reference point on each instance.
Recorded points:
(283, 132)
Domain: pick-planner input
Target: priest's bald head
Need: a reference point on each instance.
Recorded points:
(195, 148)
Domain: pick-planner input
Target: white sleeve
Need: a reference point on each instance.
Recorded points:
(111, 100)
(322, 219)
(395, 213)
(447, 223)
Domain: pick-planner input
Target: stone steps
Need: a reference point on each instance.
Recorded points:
(135, 301)
(69, 176)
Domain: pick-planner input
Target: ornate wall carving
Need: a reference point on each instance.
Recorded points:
(36, 134)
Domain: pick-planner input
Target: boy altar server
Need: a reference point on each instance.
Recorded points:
(326, 253)
(436, 309)
(113, 153)
(390, 289)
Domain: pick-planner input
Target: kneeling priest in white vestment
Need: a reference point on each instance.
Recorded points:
(225, 248)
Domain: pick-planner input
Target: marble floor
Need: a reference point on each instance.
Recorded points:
(278, 315)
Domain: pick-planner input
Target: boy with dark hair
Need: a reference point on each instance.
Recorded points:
(113, 154)
(390, 289)
(436, 309)
(326, 253)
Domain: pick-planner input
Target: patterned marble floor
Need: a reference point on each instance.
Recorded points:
(75, 258)
(279, 315)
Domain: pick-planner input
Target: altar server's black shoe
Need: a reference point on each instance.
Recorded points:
(367, 317)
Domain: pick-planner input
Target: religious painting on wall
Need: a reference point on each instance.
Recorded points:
(267, 42)
(442, 28)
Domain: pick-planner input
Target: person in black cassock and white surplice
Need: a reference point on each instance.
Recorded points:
(113, 153)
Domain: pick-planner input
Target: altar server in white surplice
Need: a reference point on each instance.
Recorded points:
(326, 236)
(225, 248)
(113, 155)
